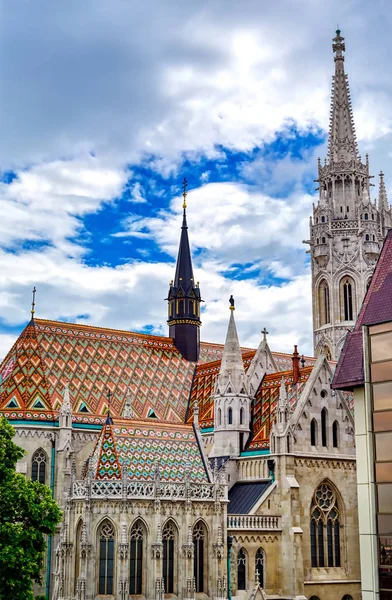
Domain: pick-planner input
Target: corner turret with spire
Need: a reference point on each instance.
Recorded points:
(347, 229)
(232, 400)
(184, 297)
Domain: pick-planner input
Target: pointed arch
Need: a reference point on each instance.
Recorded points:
(335, 434)
(347, 297)
(313, 432)
(324, 303)
(200, 558)
(138, 539)
(170, 544)
(79, 533)
(325, 524)
(260, 566)
(242, 569)
(241, 416)
(106, 557)
(230, 416)
(324, 423)
(219, 416)
(38, 465)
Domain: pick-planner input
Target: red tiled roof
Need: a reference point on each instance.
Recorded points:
(376, 308)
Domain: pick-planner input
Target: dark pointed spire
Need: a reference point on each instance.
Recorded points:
(184, 270)
(184, 297)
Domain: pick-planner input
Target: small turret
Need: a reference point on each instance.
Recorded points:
(184, 298)
(65, 412)
(382, 195)
(232, 398)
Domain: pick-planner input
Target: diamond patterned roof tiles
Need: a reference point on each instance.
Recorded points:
(143, 446)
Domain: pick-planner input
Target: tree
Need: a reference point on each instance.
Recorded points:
(27, 514)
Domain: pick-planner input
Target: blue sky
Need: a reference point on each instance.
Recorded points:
(107, 107)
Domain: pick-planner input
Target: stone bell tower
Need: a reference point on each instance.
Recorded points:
(347, 229)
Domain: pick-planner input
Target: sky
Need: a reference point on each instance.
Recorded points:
(105, 106)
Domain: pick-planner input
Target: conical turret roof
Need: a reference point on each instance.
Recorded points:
(232, 366)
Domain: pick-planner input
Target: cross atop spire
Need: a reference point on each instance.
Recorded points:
(33, 303)
(184, 192)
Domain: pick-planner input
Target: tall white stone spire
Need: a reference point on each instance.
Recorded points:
(342, 142)
(231, 398)
(347, 229)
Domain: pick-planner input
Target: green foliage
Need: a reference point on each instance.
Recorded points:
(27, 514)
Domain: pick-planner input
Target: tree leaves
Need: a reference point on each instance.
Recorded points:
(27, 514)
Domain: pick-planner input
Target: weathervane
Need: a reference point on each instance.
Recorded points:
(184, 192)
(33, 304)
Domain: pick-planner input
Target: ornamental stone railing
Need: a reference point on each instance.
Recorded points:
(127, 490)
(259, 522)
(339, 224)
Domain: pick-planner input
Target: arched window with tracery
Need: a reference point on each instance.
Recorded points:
(200, 546)
(347, 298)
(325, 528)
(169, 536)
(335, 434)
(241, 570)
(230, 416)
(136, 558)
(324, 307)
(38, 466)
(324, 417)
(106, 559)
(260, 566)
(313, 432)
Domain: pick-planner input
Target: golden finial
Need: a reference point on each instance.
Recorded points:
(184, 192)
(33, 304)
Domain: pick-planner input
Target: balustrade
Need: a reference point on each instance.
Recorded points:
(258, 522)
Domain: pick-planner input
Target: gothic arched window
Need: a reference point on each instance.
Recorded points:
(323, 219)
(313, 432)
(367, 237)
(241, 416)
(324, 415)
(325, 528)
(366, 216)
(260, 565)
(38, 466)
(346, 298)
(323, 240)
(199, 542)
(241, 570)
(230, 416)
(288, 441)
(136, 559)
(335, 434)
(219, 416)
(106, 559)
(168, 538)
(324, 310)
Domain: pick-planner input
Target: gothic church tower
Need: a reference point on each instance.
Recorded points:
(348, 228)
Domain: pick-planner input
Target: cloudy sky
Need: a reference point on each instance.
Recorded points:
(105, 105)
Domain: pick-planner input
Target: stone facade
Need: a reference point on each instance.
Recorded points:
(347, 229)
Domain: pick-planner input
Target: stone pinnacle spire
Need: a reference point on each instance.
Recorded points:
(342, 144)
(232, 366)
(382, 195)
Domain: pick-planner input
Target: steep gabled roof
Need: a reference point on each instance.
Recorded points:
(143, 446)
(376, 308)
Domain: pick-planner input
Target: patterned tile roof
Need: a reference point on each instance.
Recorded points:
(142, 447)
(376, 308)
(205, 378)
(48, 354)
(264, 405)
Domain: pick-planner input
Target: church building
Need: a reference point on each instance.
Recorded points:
(196, 470)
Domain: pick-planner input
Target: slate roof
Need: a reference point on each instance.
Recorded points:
(48, 354)
(376, 308)
(243, 496)
(141, 446)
